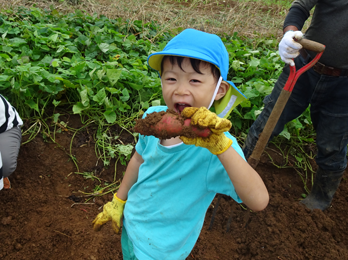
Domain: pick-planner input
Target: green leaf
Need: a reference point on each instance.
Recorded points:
(113, 90)
(72, 49)
(32, 105)
(5, 56)
(54, 37)
(84, 97)
(15, 42)
(104, 47)
(125, 94)
(79, 68)
(56, 117)
(55, 102)
(254, 62)
(55, 63)
(78, 108)
(110, 116)
(108, 103)
(236, 64)
(84, 40)
(6, 49)
(237, 80)
(68, 84)
(60, 48)
(100, 74)
(3, 36)
(100, 96)
(47, 59)
(299, 159)
(4, 77)
(285, 133)
(135, 86)
(245, 103)
(125, 149)
(156, 102)
(144, 105)
(113, 75)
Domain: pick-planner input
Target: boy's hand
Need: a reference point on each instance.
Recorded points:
(111, 211)
(217, 142)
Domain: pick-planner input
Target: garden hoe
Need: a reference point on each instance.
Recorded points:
(283, 99)
(276, 112)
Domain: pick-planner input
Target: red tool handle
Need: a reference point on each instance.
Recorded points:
(283, 99)
(308, 45)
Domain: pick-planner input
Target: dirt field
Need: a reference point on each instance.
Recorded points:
(41, 218)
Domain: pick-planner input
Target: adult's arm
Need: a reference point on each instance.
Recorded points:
(130, 177)
(295, 19)
(246, 181)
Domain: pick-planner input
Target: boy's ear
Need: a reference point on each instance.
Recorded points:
(224, 86)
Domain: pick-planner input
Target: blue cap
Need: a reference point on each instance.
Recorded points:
(194, 44)
(203, 46)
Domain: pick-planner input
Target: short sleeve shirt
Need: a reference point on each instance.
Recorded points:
(166, 207)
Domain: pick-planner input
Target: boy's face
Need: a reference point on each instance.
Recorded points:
(185, 87)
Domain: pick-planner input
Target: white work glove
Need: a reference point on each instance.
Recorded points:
(289, 48)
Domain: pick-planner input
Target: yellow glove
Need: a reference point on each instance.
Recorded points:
(111, 211)
(217, 142)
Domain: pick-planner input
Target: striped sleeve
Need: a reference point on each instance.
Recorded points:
(9, 117)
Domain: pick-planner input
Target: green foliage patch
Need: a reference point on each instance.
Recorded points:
(97, 67)
(92, 63)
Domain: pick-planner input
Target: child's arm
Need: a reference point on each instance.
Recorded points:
(113, 210)
(130, 177)
(247, 182)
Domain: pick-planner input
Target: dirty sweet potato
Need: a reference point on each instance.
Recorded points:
(165, 125)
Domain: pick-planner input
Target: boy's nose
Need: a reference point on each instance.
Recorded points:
(181, 89)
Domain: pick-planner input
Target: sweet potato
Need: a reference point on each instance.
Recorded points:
(165, 125)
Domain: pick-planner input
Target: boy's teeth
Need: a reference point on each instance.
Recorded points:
(181, 106)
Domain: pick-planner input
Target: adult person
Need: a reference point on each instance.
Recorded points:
(10, 140)
(324, 88)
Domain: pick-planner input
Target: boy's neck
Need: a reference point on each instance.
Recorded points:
(171, 141)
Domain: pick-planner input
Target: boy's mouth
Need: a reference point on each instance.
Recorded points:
(179, 107)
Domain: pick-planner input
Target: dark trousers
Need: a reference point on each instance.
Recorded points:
(328, 100)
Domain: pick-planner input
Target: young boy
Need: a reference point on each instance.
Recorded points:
(169, 184)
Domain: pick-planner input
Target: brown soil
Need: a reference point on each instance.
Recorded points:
(41, 218)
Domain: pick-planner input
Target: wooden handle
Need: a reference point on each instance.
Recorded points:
(268, 129)
(312, 45)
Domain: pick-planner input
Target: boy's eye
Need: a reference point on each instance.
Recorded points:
(195, 80)
(171, 79)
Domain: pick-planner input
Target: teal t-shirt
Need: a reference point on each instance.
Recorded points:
(165, 209)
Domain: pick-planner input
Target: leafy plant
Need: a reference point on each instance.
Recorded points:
(97, 67)
(76, 59)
